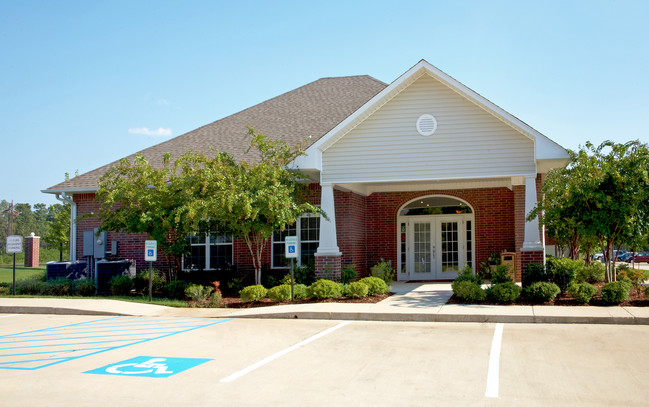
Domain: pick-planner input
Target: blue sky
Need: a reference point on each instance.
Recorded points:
(83, 83)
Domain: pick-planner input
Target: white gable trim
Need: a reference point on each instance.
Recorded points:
(544, 148)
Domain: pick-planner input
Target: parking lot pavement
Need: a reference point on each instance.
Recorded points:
(248, 362)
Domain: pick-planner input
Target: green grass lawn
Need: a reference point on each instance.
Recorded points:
(6, 273)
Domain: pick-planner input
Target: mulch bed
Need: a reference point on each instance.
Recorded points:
(636, 299)
(235, 302)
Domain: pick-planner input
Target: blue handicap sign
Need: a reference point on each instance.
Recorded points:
(149, 366)
(149, 253)
(291, 249)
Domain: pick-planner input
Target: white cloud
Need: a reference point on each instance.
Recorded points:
(164, 102)
(155, 133)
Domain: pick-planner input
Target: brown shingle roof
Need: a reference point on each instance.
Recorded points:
(311, 110)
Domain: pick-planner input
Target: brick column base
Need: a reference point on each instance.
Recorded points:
(328, 267)
(32, 250)
(529, 257)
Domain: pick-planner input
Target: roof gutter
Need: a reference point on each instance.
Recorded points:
(63, 197)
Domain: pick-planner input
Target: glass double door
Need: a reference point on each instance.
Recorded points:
(436, 249)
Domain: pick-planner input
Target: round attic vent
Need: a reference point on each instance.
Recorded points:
(426, 124)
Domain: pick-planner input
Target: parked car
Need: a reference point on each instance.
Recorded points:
(622, 255)
(639, 258)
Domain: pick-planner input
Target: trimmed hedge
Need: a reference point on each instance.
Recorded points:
(358, 289)
(616, 292)
(253, 293)
(375, 285)
(542, 291)
(504, 293)
(324, 288)
(280, 293)
(469, 291)
(582, 292)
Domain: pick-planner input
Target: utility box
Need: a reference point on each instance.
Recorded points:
(509, 259)
(109, 269)
(72, 270)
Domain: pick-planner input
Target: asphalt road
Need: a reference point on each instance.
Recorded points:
(54, 360)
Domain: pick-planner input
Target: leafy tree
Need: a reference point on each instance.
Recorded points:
(603, 194)
(58, 235)
(249, 200)
(138, 198)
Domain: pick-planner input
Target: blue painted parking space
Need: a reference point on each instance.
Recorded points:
(149, 366)
(50, 346)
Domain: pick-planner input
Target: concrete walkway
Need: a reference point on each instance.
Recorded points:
(411, 302)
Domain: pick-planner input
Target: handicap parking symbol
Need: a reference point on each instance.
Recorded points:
(291, 249)
(149, 366)
(149, 252)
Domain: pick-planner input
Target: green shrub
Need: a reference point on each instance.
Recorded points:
(501, 275)
(344, 290)
(299, 292)
(636, 277)
(615, 292)
(197, 292)
(59, 287)
(504, 293)
(384, 271)
(375, 285)
(253, 293)
(582, 292)
(176, 289)
(85, 288)
(158, 282)
(216, 300)
(280, 293)
(542, 291)
(593, 273)
(30, 286)
(324, 288)
(646, 293)
(466, 274)
(348, 274)
(563, 271)
(121, 285)
(358, 289)
(533, 273)
(5, 290)
(469, 291)
(305, 274)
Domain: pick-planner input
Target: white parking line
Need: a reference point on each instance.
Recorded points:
(272, 357)
(9, 315)
(494, 363)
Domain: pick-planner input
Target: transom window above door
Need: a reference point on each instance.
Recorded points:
(435, 205)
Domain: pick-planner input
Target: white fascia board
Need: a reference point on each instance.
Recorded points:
(370, 106)
(311, 160)
(69, 191)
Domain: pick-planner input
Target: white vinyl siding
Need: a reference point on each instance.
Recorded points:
(469, 141)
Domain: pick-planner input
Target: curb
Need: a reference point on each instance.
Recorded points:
(55, 311)
(422, 317)
(365, 316)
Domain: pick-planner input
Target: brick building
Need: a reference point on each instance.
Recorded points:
(424, 172)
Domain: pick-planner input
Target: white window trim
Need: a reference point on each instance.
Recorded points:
(298, 230)
(207, 243)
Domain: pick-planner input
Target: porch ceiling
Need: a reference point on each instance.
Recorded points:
(369, 188)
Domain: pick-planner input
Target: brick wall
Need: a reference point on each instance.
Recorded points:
(494, 229)
(130, 246)
(366, 226)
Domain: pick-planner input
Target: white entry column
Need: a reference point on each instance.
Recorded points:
(328, 245)
(532, 239)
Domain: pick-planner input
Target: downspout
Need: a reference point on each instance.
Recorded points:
(73, 223)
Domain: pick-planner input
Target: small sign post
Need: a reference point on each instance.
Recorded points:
(14, 245)
(150, 255)
(291, 253)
